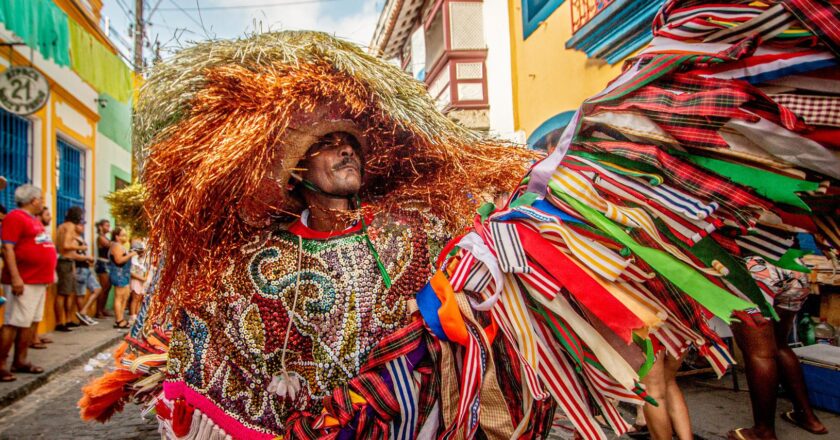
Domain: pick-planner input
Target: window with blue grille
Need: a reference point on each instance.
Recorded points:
(70, 179)
(15, 155)
(535, 12)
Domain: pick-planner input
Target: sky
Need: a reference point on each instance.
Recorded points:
(176, 23)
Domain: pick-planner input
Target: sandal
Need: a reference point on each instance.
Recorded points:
(27, 369)
(5, 376)
(790, 417)
(38, 345)
(122, 324)
(46, 340)
(736, 434)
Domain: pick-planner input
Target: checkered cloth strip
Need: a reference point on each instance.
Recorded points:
(822, 17)
(813, 109)
(692, 118)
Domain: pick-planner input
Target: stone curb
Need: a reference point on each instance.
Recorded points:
(42, 379)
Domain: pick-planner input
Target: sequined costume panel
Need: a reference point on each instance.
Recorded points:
(230, 351)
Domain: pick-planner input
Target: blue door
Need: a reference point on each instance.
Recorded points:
(71, 179)
(15, 154)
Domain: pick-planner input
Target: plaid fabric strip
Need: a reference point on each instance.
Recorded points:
(821, 17)
(692, 118)
(814, 109)
(690, 178)
(398, 343)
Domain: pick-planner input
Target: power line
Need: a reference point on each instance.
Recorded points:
(266, 5)
(190, 16)
(125, 9)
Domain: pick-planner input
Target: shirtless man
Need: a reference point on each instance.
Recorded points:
(68, 248)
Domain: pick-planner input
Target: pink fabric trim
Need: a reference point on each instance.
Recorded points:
(174, 390)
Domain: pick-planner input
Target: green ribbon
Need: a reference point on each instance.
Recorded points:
(650, 356)
(572, 348)
(485, 210)
(526, 199)
(776, 187)
(708, 250)
(788, 260)
(385, 277)
(628, 167)
(718, 301)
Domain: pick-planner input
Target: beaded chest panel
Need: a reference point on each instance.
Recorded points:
(230, 351)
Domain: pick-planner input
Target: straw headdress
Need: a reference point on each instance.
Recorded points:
(221, 125)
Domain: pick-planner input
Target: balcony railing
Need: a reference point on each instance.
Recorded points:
(585, 10)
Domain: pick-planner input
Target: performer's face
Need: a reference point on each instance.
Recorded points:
(334, 164)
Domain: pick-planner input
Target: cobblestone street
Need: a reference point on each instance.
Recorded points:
(51, 413)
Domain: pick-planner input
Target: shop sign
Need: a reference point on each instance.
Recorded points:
(23, 90)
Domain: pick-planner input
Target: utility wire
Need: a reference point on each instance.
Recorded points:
(125, 9)
(178, 8)
(266, 5)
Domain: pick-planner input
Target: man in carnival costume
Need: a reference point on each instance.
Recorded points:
(300, 193)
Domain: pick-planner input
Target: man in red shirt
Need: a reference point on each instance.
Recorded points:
(30, 267)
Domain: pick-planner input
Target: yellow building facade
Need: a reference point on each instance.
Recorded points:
(76, 148)
(550, 80)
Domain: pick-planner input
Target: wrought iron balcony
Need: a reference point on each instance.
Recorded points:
(585, 10)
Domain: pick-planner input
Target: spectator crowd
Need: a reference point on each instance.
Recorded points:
(33, 261)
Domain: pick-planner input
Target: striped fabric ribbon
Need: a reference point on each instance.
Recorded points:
(576, 185)
(764, 242)
(668, 196)
(511, 318)
(407, 394)
(687, 230)
(563, 383)
(612, 361)
(766, 25)
(509, 249)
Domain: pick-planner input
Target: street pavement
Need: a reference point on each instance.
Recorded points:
(50, 412)
(67, 351)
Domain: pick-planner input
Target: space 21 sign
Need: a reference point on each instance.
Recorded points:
(23, 90)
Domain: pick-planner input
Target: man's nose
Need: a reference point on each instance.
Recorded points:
(347, 151)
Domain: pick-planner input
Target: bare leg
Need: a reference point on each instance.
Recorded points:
(92, 299)
(60, 309)
(136, 300)
(102, 300)
(791, 373)
(677, 408)
(22, 341)
(120, 298)
(658, 421)
(8, 334)
(80, 304)
(69, 302)
(759, 346)
(35, 338)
